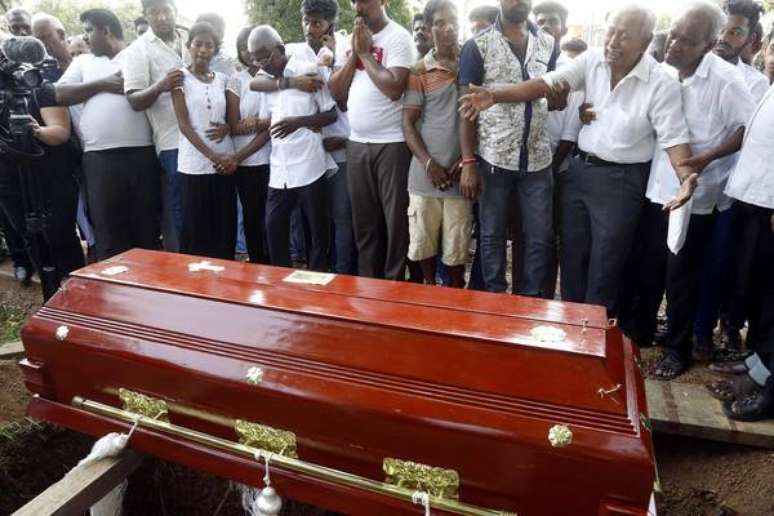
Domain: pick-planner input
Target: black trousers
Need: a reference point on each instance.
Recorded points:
(378, 187)
(124, 198)
(601, 208)
(14, 241)
(252, 184)
(209, 215)
(57, 194)
(313, 200)
(757, 239)
(654, 268)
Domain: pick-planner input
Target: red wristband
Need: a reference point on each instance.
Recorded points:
(468, 161)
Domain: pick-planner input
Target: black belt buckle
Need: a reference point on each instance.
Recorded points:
(590, 159)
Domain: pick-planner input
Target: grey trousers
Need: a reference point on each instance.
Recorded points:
(601, 208)
(377, 175)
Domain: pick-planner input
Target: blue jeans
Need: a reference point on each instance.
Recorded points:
(241, 242)
(344, 257)
(171, 205)
(535, 192)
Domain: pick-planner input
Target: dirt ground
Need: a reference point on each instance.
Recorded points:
(699, 478)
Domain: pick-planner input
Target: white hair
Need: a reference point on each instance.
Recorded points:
(714, 14)
(649, 20)
(263, 36)
(55, 22)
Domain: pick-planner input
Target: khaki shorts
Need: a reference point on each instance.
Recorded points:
(439, 219)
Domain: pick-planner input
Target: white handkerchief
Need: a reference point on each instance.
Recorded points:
(678, 226)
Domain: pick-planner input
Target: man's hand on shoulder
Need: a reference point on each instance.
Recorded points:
(173, 79)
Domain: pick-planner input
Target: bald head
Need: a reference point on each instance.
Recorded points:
(263, 38)
(45, 22)
(51, 32)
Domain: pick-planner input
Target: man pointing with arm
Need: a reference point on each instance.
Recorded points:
(637, 106)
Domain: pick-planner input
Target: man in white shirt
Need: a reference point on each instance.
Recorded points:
(119, 162)
(752, 185)
(298, 160)
(563, 126)
(605, 186)
(738, 34)
(152, 69)
(768, 55)
(717, 106)
(371, 75)
(720, 295)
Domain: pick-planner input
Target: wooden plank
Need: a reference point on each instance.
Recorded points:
(82, 487)
(689, 410)
(11, 350)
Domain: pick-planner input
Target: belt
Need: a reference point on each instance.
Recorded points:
(590, 159)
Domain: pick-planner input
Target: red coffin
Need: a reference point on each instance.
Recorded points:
(537, 407)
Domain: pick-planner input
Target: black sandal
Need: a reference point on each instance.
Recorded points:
(731, 389)
(750, 409)
(669, 368)
(722, 390)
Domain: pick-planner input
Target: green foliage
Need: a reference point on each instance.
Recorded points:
(69, 12)
(285, 15)
(11, 320)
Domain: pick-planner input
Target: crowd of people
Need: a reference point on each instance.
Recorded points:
(622, 174)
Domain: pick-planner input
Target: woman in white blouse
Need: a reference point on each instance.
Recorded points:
(251, 139)
(206, 162)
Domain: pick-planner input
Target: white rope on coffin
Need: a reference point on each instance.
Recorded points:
(110, 445)
(422, 498)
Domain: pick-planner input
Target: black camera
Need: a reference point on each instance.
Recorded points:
(23, 69)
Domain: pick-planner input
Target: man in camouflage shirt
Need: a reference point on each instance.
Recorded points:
(508, 148)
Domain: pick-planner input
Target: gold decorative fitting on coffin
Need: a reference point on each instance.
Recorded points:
(282, 462)
(560, 436)
(143, 405)
(438, 482)
(266, 438)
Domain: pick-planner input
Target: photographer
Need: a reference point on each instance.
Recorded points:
(52, 188)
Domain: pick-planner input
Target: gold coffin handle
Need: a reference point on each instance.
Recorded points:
(288, 463)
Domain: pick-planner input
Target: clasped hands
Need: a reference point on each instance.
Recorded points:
(441, 177)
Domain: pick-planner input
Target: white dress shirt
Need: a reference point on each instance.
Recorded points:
(299, 158)
(340, 128)
(756, 81)
(645, 107)
(148, 60)
(752, 181)
(716, 103)
(565, 125)
(249, 106)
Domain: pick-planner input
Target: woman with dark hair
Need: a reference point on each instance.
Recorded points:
(250, 137)
(206, 162)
